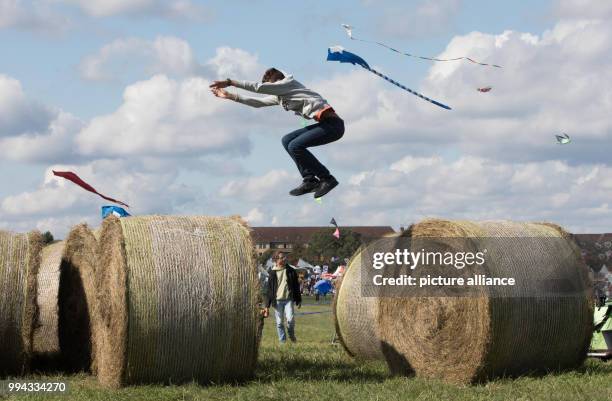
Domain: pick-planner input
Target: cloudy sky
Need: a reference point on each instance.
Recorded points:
(117, 91)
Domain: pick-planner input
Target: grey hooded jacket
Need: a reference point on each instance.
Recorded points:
(287, 92)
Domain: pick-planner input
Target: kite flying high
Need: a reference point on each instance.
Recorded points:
(563, 139)
(70, 176)
(337, 53)
(349, 32)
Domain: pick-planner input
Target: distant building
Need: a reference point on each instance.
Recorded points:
(286, 238)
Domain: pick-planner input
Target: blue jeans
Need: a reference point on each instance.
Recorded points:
(284, 308)
(297, 143)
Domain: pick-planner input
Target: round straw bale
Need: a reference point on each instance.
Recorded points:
(46, 349)
(19, 264)
(475, 338)
(77, 301)
(356, 315)
(180, 300)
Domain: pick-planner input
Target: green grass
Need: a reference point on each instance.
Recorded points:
(314, 370)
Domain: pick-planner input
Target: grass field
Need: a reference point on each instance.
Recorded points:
(314, 370)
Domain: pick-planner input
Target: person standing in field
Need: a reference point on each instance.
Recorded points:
(284, 295)
(292, 95)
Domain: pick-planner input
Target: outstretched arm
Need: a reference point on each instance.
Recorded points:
(249, 101)
(268, 88)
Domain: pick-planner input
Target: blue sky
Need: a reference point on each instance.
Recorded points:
(94, 66)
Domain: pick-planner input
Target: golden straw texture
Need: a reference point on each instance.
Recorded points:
(19, 263)
(181, 300)
(469, 339)
(356, 316)
(45, 338)
(78, 302)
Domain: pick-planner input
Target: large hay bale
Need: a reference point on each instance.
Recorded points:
(78, 301)
(474, 338)
(356, 315)
(46, 349)
(178, 300)
(19, 264)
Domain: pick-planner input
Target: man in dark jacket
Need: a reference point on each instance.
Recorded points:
(283, 295)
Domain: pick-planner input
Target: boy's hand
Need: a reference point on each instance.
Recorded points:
(265, 312)
(221, 84)
(221, 93)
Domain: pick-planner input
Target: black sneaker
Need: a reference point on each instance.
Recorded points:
(325, 186)
(306, 187)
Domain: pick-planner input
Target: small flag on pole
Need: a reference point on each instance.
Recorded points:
(337, 232)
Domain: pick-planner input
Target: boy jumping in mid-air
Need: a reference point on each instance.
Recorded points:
(294, 96)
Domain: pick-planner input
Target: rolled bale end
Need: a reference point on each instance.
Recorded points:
(19, 264)
(46, 349)
(355, 315)
(180, 301)
(77, 301)
(476, 338)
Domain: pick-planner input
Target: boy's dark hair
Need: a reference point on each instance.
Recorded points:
(277, 254)
(272, 75)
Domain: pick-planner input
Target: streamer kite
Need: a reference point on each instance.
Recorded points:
(337, 53)
(349, 32)
(563, 139)
(70, 176)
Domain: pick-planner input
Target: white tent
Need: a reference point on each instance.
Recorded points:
(303, 263)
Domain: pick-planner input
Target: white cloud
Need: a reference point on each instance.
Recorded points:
(161, 116)
(183, 9)
(409, 164)
(235, 63)
(466, 188)
(493, 156)
(53, 143)
(270, 187)
(255, 216)
(30, 15)
(132, 58)
(584, 9)
(148, 188)
(18, 113)
(31, 131)
(552, 83)
(166, 54)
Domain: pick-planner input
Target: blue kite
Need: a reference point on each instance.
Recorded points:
(115, 211)
(337, 53)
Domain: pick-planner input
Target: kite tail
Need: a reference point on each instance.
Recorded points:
(386, 78)
(426, 58)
